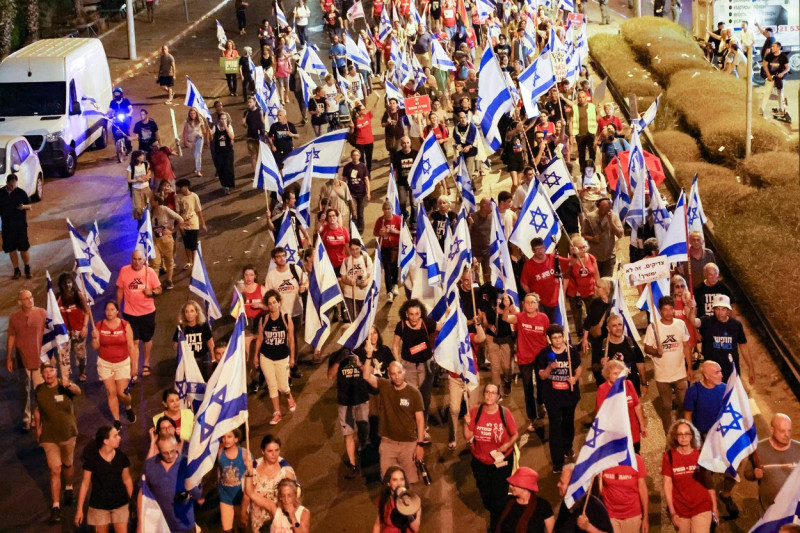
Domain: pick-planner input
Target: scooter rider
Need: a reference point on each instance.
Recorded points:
(121, 112)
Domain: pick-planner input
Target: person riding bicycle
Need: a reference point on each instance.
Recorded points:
(120, 111)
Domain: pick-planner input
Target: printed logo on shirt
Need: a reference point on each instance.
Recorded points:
(723, 343)
(547, 274)
(670, 343)
(405, 402)
(136, 285)
(195, 341)
(287, 286)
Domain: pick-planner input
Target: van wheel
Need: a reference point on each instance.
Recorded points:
(70, 164)
(102, 141)
(39, 191)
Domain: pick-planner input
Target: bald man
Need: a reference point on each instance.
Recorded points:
(774, 461)
(25, 330)
(703, 399)
(707, 288)
(138, 285)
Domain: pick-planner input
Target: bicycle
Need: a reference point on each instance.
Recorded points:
(121, 139)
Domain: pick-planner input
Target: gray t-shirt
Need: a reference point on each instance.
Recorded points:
(777, 467)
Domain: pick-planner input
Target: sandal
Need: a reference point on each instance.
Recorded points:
(451, 446)
(146, 370)
(134, 379)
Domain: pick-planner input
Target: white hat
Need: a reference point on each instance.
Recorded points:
(720, 300)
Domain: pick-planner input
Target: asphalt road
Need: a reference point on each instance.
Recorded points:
(236, 236)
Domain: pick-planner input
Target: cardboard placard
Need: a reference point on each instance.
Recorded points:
(417, 104)
(576, 19)
(647, 270)
(229, 66)
(559, 60)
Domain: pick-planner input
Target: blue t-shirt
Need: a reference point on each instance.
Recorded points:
(339, 50)
(164, 484)
(704, 404)
(231, 473)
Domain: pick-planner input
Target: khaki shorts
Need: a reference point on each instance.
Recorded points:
(59, 453)
(118, 371)
(104, 517)
(350, 414)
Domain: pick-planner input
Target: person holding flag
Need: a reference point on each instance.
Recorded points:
(138, 285)
(197, 332)
(540, 275)
(387, 230)
(620, 347)
(583, 276)
(76, 314)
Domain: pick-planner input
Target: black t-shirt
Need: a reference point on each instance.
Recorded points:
(12, 217)
(351, 389)
(381, 358)
(416, 342)
(767, 46)
(556, 390)
(318, 105)
(280, 136)
(567, 522)
(704, 295)
(356, 177)
(503, 49)
(776, 63)
(569, 212)
(146, 132)
(440, 221)
(496, 326)
(244, 64)
(396, 129)
(197, 336)
(721, 339)
(628, 352)
(254, 123)
(542, 512)
(108, 491)
(435, 9)
(402, 163)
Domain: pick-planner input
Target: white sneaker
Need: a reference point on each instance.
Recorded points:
(389, 298)
(395, 291)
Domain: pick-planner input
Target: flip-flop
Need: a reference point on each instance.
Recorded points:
(146, 370)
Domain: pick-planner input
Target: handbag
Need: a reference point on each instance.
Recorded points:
(596, 330)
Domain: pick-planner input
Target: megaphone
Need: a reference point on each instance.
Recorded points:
(406, 502)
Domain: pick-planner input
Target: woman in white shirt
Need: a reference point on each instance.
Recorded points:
(301, 15)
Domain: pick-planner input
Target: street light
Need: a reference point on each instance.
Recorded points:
(131, 30)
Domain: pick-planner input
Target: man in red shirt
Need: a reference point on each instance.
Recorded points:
(25, 330)
(387, 230)
(162, 166)
(449, 17)
(539, 276)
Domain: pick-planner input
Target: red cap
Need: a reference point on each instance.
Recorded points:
(525, 478)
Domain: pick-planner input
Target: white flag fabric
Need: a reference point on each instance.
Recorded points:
(429, 168)
(406, 252)
(356, 11)
(304, 199)
(696, 215)
(355, 54)
(619, 307)
(200, 284)
(494, 98)
(308, 85)
(323, 294)
(311, 63)
(224, 407)
(222, 39)
(55, 334)
(465, 187)
(93, 274)
(535, 81)
(385, 27)
(392, 195)
(561, 310)
(622, 199)
(195, 99)
(144, 235)
(189, 382)
(452, 349)
(609, 443)
(287, 239)
(502, 273)
(661, 215)
(428, 250)
(267, 176)
(393, 92)
(440, 59)
(785, 510)
(650, 115)
(280, 16)
(325, 152)
(152, 519)
(675, 240)
(733, 437)
(557, 182)
(637, 173)
(357, 332)
(537, 218)
(274, 104)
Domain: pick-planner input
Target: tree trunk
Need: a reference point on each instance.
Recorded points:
(32, 20)
(8, 13)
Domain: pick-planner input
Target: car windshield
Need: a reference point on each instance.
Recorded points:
(40, 98)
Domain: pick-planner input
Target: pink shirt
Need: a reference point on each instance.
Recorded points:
(132, 282)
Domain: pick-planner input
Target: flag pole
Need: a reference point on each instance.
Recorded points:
(688, 252)
(244, 371)
(653, 313)
(588, 494)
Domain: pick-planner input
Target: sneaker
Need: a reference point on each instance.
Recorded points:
(295, 372)
(17, 274)
(28, 272)
(276, 418)
(569, 455)
(389, 298)
(351, 471)
(69, 497)
(292, 405)
(169, 286)
(507, 388)
(395, 290)
(730, 506)
(557, 469)
(131, 415)
(162, 271)
(117, 425)
(55, 514)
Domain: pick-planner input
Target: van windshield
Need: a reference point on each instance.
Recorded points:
(33, 98)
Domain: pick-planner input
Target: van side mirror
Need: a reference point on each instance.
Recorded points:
(76, 108)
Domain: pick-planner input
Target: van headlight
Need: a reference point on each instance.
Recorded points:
(53, 137)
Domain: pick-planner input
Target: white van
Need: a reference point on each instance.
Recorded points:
(55, 93)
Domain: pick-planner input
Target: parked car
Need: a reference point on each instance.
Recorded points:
(17, 156)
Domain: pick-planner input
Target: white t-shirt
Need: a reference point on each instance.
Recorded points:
(671, 367)
(288, 287)
(301, 14)
(330, 91)
(352, 269)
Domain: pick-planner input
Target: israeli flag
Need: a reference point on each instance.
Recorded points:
(261, 89)
(304, 199)
(152, 517)
(307, 84)
(535, 81)
(406, 252)
(608, 444)
(429, 168)
(355, 234)
(733, 437)
(619, 307)
(200, 284)
(440, 296)
(222, 39)
(696, 215)
(385, 27)
(282, 22)
(224, 407)
(661, 215)
(396, 53)
(465, 187)
(393, 92)
(189, 382)
(287, 239)
(500, 260)
(428, 251)
(323, 154)
(93, 274)
(356, 55)
(323, 294)
(55, 331)
(675, 247)
(412, 10)
(537, 218)
(417, 71)
(653, 292)
(649, 116)
(458, 248)
(530, 31)
(392, 196)
(291, 42)
(144, 235)
(440, 59)
(311, 63)
(357, 332)
(274, 105)
(494, 98)
(637, 173)
(561, 310)
(356, 11)
(485, 8)
(452, 349)
(622, 200)
(195, 99)
(556, 181)
(785, 510)
(267, 176)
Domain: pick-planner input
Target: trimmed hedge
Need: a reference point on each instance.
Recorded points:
(719, 189)
(773, 169)
(677, 146)
(625, 72)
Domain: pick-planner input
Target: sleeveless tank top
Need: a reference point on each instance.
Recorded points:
(113, 342)
(275, 346)
(251, 298)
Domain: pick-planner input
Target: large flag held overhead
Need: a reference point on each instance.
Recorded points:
(429, 168)
(392, 195)
(287, 239)
(561, 310)
(622, 200)
(324, 153)
(695, 212)
(464, 183)
(649, 116)
(785, 510)
(356, 11)
(675, 240)
(224, 407)
(267, 176)
(311, 63)
(307, 84)
(274, 104)
(502, 272)
(93, 274)
(357, 332)
(55, 334)
(440, 59)
(281, 18)
(637, 173)
(195, 99)
(537, 218)
(555, 179)
(733, 437)
(453, 350)
(393, 92)
(428, 250)
(608, 444)
(144, 235)
(355, 54)
(304, 199)
(385, 27)
(200, 284)
(189, 382)
(458, 249)
(535, 81)
(494, 98)
(323, 294)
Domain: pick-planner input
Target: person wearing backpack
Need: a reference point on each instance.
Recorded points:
(493, 432)
(288, 280)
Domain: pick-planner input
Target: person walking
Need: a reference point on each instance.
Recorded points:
(140, 176)
(113, 339)
(188, 206)
(14, 205)
(352, 399)
(166, 72)
(275, 349)
(301, 16)
(138, 285)
(146, 131)
(164, 221)
(777, 456)
(195, 134)
(357, 176)
(25, 330)
(231, 471)
(222, 155)
(76, 314)
(387, 230)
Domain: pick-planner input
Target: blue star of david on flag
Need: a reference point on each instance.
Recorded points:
(88, 252)
(734, 424)
(692, 215)
(551, 179)
(312, 154)
(217, 399)
(658, 219)
(537, 213)
(272, 111)
(455, 248)
(291, 256)
(426, 166)
(181, 388)
(596, 432)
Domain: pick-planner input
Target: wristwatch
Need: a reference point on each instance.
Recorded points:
(421, 444)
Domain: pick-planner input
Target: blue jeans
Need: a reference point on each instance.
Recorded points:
(198, 153)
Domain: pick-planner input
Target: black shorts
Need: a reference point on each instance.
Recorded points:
(143, 327)
(166, 81)
(15, 240)
(190, 239)
(515, 163)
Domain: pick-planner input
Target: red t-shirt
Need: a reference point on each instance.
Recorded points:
(602, 122)
(335, 243)
(689, 495)
(621, 490)
(540, 278)
(393, 239)
(531, 336)
(490, 433)
(162, 166)
(440, 132)
(72, 314)
(327, 6)
(581, 277)
(680, 313)
(633, 401)
(403, 7)
(113, 342)
(364, 129)
(377, 8)
(250, 299)
(449, 13)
